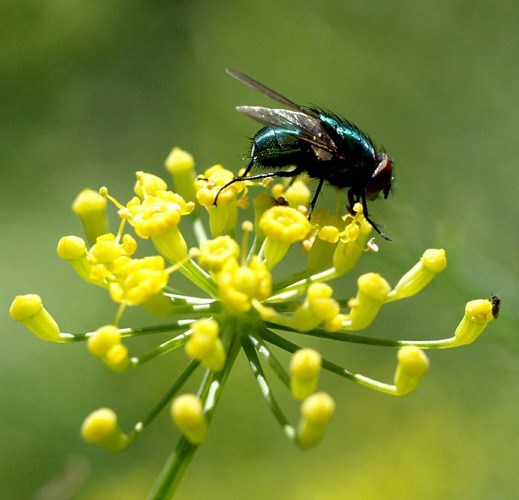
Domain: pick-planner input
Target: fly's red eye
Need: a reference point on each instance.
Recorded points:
(381, 179)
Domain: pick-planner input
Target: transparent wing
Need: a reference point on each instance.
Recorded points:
(247, 80)
(307, 127)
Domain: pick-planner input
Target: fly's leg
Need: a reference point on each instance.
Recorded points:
(236, 179)
(314, 199)
(366, 216)
(282, 173)
(354, 198)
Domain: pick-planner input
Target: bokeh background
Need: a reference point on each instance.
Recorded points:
(92, 91)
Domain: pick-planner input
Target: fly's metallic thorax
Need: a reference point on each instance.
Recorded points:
(351, 143)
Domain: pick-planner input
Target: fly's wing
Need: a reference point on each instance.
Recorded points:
(247, 80)
(299, 123)
(302, 122)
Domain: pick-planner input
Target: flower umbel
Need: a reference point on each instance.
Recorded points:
(242, 304)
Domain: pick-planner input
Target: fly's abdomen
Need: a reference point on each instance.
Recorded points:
(278, 148)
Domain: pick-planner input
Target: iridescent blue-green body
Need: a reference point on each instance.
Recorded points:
(351, 166)
(320, 144)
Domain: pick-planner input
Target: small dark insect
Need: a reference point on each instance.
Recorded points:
(318, 143)
(496, 305)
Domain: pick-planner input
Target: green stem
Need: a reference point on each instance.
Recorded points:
(199, 230)
(254, 362)
(183, 300)
(210, 391)
(332, 367)
(161, 350)
(294, 278)
(265, 352)
(255, 247)
(181, 324)
(283, 291)
(360, 339)
(199, 277)
(174, 470)
(166, 398)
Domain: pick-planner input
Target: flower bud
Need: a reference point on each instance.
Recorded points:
(412, 366)
(316, 412)
(73, 249)
(478, 313)
(305, 367)
(418, 277)
(29, 310)
(188, 416)
(372, 293)
(103, 339)
(101, 428)
(205, 345)
(148, 185)
(90, 206)
(319, 307)
(181, 165)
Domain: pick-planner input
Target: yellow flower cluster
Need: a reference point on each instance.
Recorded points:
(242, 304)
(240, 285)
(109, 264)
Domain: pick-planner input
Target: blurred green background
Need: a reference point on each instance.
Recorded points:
(92, 91)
